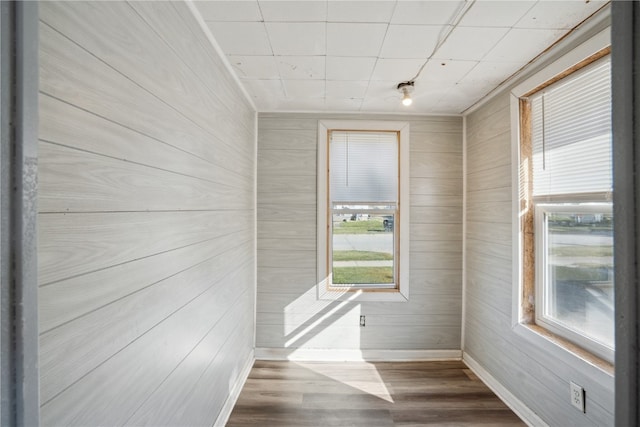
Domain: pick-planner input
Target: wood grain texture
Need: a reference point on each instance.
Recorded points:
(537, 377)
(92, 89)
(103, 332)
(80, 243)
(435, 186)
(324, 334)
(367, 394)
(147, 362)
(435, 142)
(113, 185)
(104, 31)
(82, 130)
(71, 298)
(291, 303)
(287, 149)
(146, 226)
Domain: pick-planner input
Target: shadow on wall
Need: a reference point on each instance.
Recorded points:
(325, 324)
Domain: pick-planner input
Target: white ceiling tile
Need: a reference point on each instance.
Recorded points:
(447, 107)
(294, 11)
(297, 38)
(304, 88)
(379, 105)
(301, 104)
(360, 11)
(495, 13)
(354, 39)
(383, 90)
(343, 104)
(397, 70)
(472, 92)
(241, 38)
(301, 67)
(522, 45)
(492, 73)
(265, 93)
(410, 41)
(254, 67)
(229, 10)
(445, 71)
(349, 68)
(558, 14)
(349, 55)
(470, 43)
(346, 89)
(463, 96)
(425, 12)
(427, 93)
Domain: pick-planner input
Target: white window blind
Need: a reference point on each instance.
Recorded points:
(571, 134)
(363, 166)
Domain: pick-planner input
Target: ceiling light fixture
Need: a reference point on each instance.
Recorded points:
(406, 88)
(445, 32)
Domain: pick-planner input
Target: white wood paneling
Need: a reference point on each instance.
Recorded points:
(396, 337)
(113, 185)
(146, 226)
(103, 332)
(146, 363)
(82, 130)
(300, 303)
(79, 243)
(533, 376)
(104, 31)
(287, 301)
(68, 299)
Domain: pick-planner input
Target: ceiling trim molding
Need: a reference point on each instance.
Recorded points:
(357, 113)
(203, 26)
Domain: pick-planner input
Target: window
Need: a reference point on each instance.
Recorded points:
(363, 204)
(362, 188)
(566, 212)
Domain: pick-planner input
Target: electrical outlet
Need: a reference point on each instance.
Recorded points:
(577, 396)
(362, 321)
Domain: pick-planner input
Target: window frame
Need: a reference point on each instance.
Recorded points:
(541, 273)
(400, 293)
(523, 315)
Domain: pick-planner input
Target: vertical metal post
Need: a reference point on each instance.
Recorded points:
(625, 36)
(19, 384)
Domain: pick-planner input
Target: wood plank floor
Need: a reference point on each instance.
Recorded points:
(367, 394)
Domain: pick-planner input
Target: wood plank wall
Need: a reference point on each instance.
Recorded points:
(288, 314)
(146, 217)
(538, 378)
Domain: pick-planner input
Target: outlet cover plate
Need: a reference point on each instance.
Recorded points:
(577, 396)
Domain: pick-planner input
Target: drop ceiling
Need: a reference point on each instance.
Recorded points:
(349, 56)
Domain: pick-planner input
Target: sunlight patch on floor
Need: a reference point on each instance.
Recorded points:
(359, 375)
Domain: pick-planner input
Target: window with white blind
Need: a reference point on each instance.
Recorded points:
(363, 243)
(567, 182)
(571, 135)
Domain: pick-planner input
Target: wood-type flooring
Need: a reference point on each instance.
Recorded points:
(371, 394)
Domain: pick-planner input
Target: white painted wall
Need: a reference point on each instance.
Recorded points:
(146, 201)
(289, 316)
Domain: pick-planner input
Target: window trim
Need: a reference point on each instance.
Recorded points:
(520, 315)
(401, 292)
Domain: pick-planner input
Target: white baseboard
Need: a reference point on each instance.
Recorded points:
(330, 355)
(516, 405)
(225, 413)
